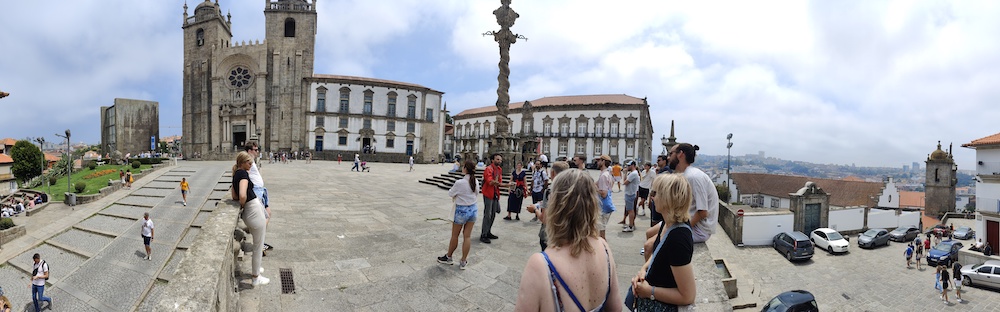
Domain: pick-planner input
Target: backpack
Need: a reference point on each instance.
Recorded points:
(35, 272)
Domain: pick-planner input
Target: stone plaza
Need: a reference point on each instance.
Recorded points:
(368, 241)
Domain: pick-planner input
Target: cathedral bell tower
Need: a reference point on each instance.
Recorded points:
(939, 187)
(205, 34)
(291, 41)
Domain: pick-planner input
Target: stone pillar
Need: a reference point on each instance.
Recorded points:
(806, 203)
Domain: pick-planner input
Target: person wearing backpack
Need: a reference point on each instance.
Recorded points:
(39, 274)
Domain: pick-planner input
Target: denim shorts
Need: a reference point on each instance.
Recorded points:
(261, 193)
(630, 202)
(464, 214)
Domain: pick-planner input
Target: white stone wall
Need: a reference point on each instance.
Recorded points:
(847, 219)
(890, 195)
(379, 119)
(759, 230)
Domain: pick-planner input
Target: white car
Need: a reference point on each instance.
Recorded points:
(829, 240)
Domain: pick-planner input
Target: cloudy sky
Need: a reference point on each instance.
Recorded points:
(874, 83)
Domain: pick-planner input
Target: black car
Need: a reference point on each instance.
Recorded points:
(795, 300)
(904, 233)
(793, 245)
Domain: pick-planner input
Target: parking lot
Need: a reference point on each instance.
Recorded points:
(860, 280)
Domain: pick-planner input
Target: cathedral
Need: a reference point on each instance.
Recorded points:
(266, 91)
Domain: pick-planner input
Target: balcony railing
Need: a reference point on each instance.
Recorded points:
(988, 168)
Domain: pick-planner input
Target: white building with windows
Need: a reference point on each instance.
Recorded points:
(564, 126)
(347, 114)
(987, 188)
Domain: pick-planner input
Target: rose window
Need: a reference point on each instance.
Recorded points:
(240, 77)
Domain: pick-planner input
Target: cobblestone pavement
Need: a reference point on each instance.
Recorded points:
(95, 251)
(368, 242)
(861, 280)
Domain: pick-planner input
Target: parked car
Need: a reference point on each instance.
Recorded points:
(940, 228)
(873, 238)
(944, 253)
(794, 245)
(904, 233)
(964, 233)
(828, 239)
(795, 300)
(986, 274)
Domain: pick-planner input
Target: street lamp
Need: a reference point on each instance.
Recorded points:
(41, 147)
(69, 162)
(729, 147)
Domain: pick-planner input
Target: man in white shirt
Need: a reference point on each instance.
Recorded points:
(631, 194)
(147, 234)
(604, 183)
(648, 174)
(39, 274)
(705, 202)
(544, 159)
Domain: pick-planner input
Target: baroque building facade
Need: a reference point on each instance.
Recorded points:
(267, 91)
(563, 126)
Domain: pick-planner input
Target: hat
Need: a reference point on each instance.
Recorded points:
(605, 157)
(629, 162)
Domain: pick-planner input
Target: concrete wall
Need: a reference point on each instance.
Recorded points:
(732, 225)
(888, 219)
(847, 219)
(207, 282)
(135, 122)
(759, 230)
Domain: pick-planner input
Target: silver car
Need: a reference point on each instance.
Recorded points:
(986, 274)
(964, 233)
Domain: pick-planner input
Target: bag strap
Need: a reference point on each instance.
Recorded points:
(660, 244)
(569, 292)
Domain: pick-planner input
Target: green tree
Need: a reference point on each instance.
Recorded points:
(27, 160)
(447, 119)
(723, 192)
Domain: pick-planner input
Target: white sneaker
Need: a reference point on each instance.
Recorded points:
(185, 203)
(642, 213)
(261, 271)
(260, 280)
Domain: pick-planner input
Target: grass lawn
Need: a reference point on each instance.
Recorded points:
(94, 184)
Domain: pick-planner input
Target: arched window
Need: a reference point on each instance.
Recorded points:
(289, 27)
(200, 37)
(391, 110)
(369, 98)
(411, 106)
(321, 100)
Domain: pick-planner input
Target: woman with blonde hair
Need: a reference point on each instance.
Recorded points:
(666, 280)
(576, 269)
(251, 211)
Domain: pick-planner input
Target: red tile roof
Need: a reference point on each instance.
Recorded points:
(52, 158)
(8, 141)
(564, 100)
(5, 159)
(842, 193)
(911, 199)
(990, 140)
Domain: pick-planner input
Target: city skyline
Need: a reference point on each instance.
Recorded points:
(873, 84)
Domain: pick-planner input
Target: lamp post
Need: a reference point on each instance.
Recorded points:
(729, 146)
(69, 162)
(41, 147)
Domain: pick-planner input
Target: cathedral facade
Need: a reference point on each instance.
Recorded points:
(266, 91)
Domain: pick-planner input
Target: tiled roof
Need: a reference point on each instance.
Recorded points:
(50, 157)
(990, 140)
(373, 80)
(5, 159)
(564, 100)
(911, 199)
(842, 193)
(9, 141)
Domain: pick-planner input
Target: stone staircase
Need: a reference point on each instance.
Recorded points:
(446, 180)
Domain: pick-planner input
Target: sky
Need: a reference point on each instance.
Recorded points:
(870, 83)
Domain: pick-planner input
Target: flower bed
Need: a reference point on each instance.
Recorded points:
(99, 173)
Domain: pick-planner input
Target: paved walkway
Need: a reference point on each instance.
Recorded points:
(94, 250)
(368, 242)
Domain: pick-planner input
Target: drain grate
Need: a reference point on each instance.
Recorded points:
(287, 282)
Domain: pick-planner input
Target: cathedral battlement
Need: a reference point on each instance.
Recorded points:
(245, 45)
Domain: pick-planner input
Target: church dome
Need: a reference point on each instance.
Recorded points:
(938, 154)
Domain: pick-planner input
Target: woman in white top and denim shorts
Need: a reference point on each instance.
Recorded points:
(464, 193)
